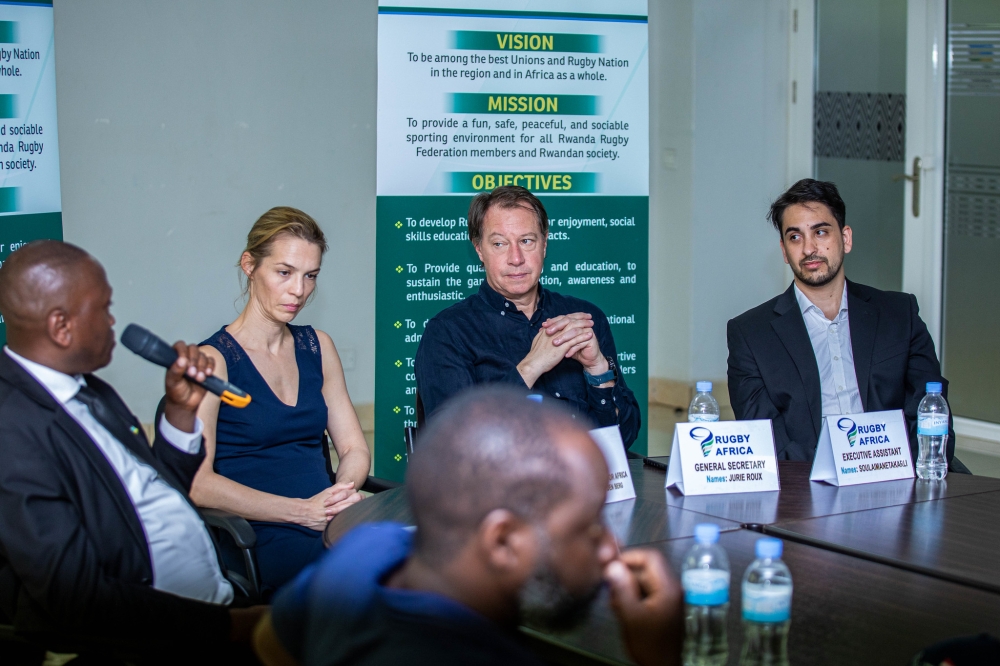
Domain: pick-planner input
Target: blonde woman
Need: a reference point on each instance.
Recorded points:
(266, 462)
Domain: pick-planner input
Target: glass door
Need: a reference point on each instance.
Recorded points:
(859, 118)
(971, 321)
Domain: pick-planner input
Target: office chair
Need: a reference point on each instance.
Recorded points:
(410, 432)
(958, 467)
(228, 528)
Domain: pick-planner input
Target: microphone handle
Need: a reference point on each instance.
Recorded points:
(153, 349)
(231, 395)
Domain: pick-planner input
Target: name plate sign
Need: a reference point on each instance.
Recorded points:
(862, 448)
(723, 457)
(609, 441)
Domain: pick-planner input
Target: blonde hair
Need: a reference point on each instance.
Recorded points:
(279, 221)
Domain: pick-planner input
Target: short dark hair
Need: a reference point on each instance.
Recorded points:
(488, 448)
(805, 191)
(508, 196)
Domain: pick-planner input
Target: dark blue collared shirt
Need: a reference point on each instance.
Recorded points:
(482, 339)
(339, 611)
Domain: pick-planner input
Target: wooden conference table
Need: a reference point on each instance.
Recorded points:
(880, 570)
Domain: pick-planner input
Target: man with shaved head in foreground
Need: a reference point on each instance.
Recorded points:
(101, 551)
(507, 496)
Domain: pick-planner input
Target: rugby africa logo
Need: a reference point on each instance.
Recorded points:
(706, 437)
(850, 427)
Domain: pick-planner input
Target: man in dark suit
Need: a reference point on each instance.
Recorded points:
(827, 345)
(100, 549)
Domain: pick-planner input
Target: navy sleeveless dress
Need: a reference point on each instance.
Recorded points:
(277, 449)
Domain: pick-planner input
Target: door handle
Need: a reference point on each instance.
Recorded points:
(915, 179)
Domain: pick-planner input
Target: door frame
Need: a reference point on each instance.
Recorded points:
(923, 234)
(800, 162)
(927, 57)
(800, 96)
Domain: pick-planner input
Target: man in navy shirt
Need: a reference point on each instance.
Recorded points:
(516, 332)
(507, 496)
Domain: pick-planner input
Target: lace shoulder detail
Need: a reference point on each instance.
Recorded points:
(227, 346)
(306, 339)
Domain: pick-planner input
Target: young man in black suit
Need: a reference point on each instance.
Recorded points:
(101, 551)
(827, 345)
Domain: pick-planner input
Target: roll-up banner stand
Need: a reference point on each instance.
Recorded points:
(550, 95)
(30, 204)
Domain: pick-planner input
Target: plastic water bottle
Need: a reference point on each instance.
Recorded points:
(932, 434)
(703, 405)
(705, 579)
(767, 607)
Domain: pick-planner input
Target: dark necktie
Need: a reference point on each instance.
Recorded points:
(131, 437)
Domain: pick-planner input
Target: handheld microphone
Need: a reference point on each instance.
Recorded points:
(155, 350)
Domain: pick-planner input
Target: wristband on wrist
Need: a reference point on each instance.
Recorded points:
(604, 377)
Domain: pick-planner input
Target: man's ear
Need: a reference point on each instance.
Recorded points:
(781, 244)
(509, 546)
(60, 328)
(479, 252)
(848, 236)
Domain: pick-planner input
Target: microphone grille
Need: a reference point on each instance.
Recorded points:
(135, 338)
(147, 345)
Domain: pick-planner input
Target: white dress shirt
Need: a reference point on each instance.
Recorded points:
(831, 343)
(183, 555)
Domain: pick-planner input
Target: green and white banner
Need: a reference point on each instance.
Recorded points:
(551, 95)
(30, 204)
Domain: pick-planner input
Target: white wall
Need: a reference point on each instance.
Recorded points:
(741, 83)
(671, 133)
(181, 122)
(718, 86)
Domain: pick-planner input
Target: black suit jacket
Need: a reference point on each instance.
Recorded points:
(773, 372)
(75, 566)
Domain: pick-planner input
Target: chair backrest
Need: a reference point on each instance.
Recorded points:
(409, 439)
(420, 411)
(328, 457)
(409, 432)
(159, 413)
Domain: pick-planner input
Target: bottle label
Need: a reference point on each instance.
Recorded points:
(705, 587)
(934, 425)
(767, 603)
(702, 418)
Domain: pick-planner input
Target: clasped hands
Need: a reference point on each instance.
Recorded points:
(321, 508)
(566, 336)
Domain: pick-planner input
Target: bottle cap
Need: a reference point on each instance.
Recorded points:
(934, 387)
(704, 387)
(768, 548)
(706, 533)
(534, 397)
